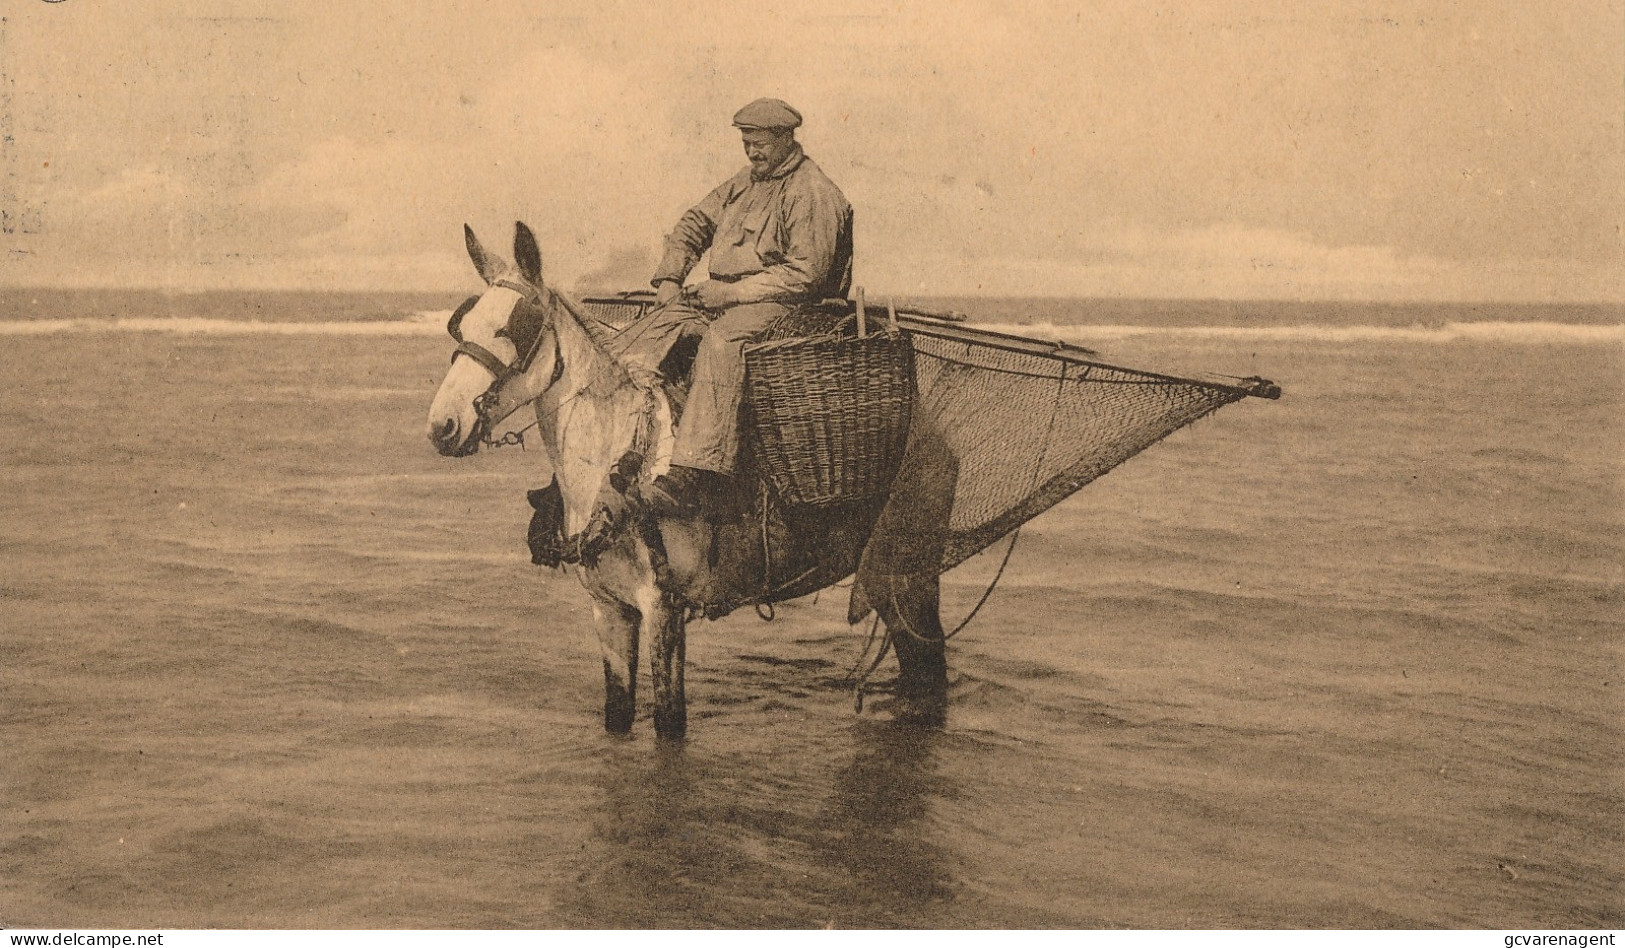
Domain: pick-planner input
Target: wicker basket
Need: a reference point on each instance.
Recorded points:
(831, 413)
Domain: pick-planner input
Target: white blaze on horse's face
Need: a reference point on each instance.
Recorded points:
(486, 381)
(454, 424)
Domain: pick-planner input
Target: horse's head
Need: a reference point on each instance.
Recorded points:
(507, 336)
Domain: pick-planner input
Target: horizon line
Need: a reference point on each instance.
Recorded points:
(876, 298)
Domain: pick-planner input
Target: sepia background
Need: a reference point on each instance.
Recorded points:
(1350, 659)
(1346, 149)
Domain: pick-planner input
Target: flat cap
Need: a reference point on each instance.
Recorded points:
(768, 113)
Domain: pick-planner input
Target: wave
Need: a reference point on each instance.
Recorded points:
(1501, 332)
(432, 323)
(200, 326)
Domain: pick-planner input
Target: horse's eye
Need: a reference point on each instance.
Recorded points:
(454, 325)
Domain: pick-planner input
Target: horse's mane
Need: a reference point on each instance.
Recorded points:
(596, 332)
(555, 298)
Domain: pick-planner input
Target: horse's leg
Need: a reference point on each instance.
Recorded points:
(911, 611)
(666, 626)
(618, 640)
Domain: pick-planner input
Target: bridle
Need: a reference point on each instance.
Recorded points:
(528, 318)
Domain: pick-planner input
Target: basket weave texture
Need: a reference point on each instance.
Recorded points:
(831, 414)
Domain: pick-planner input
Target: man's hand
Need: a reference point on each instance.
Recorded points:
(712, 294)
(667, 291)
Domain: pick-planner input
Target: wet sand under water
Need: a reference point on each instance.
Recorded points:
(1350, 659)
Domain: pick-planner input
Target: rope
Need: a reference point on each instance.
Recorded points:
(986, 595)
(1015, 535)
(767, 614)
(861, 682)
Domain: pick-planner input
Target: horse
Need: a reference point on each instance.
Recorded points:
(521, 342)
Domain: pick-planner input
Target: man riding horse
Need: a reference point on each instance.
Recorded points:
(780, 234)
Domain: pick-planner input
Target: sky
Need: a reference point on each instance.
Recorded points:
(1311, 149)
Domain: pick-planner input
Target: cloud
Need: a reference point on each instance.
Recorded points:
(556, 139)
(623, 268)
(1034, 148)
(1243, 263)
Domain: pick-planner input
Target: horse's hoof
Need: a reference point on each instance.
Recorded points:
(618, 721)
(922, 708)
(620, 705)
(671, 726)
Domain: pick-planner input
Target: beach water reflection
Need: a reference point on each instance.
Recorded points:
(682, 836)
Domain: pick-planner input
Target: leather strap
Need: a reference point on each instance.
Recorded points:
(483, 356)
(523, 289)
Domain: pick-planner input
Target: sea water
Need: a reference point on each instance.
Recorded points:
(1347, 659)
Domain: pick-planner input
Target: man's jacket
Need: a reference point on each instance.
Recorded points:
(786, 236)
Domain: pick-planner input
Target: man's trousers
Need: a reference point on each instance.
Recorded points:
(708, 436)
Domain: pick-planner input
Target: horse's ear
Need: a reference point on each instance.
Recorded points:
(527, 254)
(488, 266)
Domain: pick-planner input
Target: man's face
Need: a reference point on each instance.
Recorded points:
(766, 148)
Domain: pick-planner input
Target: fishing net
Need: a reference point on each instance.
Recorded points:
(1002, 429)
(999, 436)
